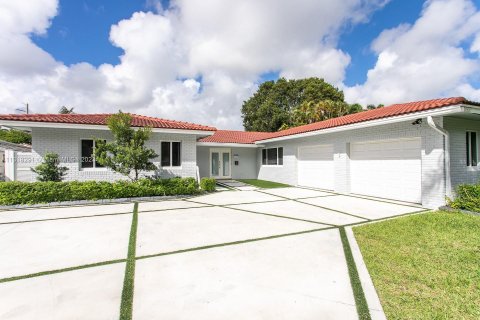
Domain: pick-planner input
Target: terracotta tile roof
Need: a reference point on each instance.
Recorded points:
(229, 136)
(226, 136)
(380, 113)
(100, 119)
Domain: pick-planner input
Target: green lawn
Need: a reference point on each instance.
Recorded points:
(263, 183)
(425, 266)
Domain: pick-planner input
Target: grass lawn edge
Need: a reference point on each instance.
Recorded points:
(371, 295)
(424, 265)
(264, 184)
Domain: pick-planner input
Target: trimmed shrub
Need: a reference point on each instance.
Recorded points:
(467, 197)
(207, 184)
(16, 192)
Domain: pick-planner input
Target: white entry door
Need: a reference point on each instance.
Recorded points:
(220, 164)
(316, 167)
(387, 169)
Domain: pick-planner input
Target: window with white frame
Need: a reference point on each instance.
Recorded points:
(87, 157)
(170, 154)
(472, 149)
(272, 156)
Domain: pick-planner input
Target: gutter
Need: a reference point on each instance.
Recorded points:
(445, 134)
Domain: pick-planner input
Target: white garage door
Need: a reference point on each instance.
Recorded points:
(388, 169)
(315, 167)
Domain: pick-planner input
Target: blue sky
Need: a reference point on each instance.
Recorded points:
(198, 61)
(80, 33)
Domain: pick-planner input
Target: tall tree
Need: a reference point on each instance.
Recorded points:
(127, 154)
(286, 103)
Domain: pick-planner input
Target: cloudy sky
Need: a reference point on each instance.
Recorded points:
(198, 61)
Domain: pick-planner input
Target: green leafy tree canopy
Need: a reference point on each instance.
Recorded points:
(285, 103)
(16, 136)
(50, 169)
(127, 154)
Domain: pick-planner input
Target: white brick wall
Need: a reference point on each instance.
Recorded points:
(459, 171)
(66, 143)
(433, 183)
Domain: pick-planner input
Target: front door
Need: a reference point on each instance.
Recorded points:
(220, 163)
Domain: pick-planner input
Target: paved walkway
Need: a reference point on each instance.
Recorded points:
(236, 185)
(264, 254)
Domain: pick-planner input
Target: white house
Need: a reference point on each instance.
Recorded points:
(415, 152)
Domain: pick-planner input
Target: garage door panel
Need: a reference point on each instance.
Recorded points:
(315, 166)
(388, 169)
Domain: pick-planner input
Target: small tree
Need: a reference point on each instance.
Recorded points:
(127, 154)
(50, 169)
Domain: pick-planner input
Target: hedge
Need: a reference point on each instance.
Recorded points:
(467, 197)
(15, 192)
(208, 184)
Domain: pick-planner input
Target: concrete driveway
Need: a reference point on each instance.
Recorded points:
(265, 254)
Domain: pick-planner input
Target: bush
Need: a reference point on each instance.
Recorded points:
(207, 184)
(467, 197)
(16, 192)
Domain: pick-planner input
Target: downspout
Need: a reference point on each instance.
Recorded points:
(442, 131)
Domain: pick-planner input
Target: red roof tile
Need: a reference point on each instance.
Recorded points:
(100, 119)
(226, 136)
(229, 136)
(380, 113)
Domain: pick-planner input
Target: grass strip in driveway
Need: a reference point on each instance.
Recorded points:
(280, 216)
(126, 307)
(218, 245)
(46, 273)
(313, 205)
(359, 295)
(425, 266)
(66, 218)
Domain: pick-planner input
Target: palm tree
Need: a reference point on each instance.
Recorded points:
(65, 110)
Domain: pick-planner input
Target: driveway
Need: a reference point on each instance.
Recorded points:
(264, 254)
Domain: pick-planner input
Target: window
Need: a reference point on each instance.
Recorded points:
(472, 150)
(88, 159)
(170, 154)
(272, 156)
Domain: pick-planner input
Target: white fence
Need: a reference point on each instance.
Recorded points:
(17, 166)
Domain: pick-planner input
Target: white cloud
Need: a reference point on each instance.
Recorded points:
(198, 61)
(226, 44)
(426, 59)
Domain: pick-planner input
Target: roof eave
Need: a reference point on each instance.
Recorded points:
(57, 125)
(406, 117)
(227, 145)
